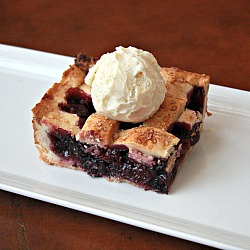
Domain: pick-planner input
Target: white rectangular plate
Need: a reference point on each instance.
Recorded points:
(209, 202)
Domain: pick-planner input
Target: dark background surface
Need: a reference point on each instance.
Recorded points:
(211, 37)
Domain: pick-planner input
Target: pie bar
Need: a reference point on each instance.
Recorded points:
(69, 133)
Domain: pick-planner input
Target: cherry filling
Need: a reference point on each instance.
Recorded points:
(115, 161)
(197, 99)
(79, 103)
(183, 131)
(190, 135)
(111, 162)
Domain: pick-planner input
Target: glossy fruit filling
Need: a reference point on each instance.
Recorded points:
(197, 99)
(115, 162)
(111, 162)
(79, 103)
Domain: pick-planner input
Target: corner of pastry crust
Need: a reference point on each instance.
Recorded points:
(174, 74)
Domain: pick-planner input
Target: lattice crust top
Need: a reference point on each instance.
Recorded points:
(150, 138)
(98, 129)
(48, 108)
(69, 133)
(171, 108)
(173, 74)
(190, 117)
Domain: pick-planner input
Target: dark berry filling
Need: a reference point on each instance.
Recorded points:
(65, 146)
(79, 103)
(183, 131)
(190, 135)
(111, 162)
(197, 99)
(115, 161)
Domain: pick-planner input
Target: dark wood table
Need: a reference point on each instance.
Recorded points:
(211, 37)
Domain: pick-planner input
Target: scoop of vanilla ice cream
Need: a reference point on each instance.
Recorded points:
(126, 85)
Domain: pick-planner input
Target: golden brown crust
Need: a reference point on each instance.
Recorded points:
(98, 129)
(179, 84)
(174, 74)
(178, 77)
(190, 117)
(47, 111)
(170, 110)
(148, 140)
(48, 107)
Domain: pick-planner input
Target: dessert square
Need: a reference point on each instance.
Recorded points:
(68, 132)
